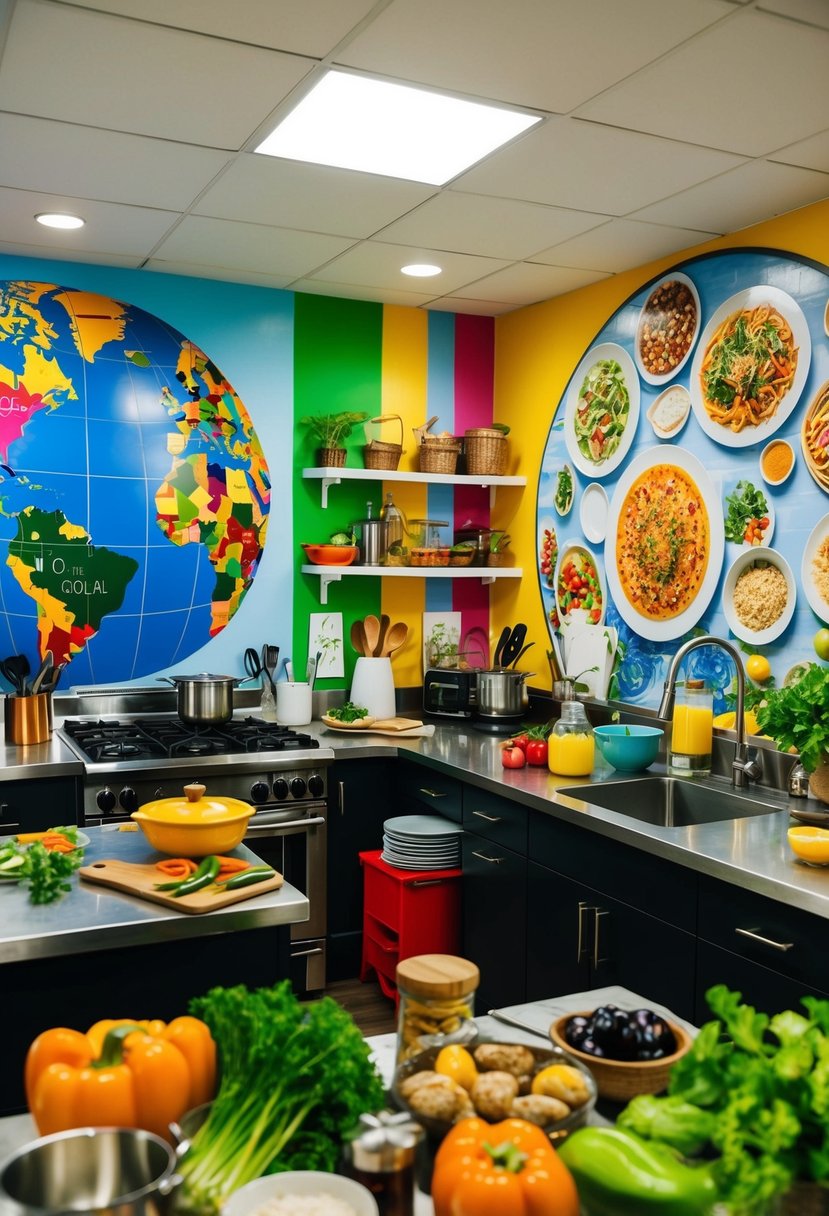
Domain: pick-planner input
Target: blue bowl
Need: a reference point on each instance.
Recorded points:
(628, 748)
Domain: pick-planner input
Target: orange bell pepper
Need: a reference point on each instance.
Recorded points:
(501, 1169)
(120, 1074)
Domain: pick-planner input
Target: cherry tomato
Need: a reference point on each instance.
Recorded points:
(513, 757)
(537, 752)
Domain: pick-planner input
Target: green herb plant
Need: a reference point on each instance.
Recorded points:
(330, 430)
(295, 1078)
(797, 715)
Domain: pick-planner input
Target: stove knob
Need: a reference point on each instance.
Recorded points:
(297, 787)
(128, 799)
(259, 791)
(105, 800)
(280, 789)
(316, 786)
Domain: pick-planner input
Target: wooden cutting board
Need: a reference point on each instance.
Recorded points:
(140, 879)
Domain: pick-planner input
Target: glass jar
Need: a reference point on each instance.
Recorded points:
(571, 747)
(692, 730)
(380, 1154)
(437, 1000)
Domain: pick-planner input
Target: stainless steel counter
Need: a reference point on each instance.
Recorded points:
(91, 917)
(52, 759)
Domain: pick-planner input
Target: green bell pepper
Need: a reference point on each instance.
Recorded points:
(619, 1174)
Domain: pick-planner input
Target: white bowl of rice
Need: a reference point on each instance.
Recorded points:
(302, 1193)
(759, 595)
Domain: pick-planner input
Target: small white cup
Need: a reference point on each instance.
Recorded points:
(373, 687)
(293, 703)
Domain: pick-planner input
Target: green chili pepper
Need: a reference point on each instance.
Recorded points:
(203, 877)
(619, 1174)
(246, 878)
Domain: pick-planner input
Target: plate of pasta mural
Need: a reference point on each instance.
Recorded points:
(665, 543)
(814, 570)
(601, 410)
(750, 366)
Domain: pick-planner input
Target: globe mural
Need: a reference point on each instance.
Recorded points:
(134, 493)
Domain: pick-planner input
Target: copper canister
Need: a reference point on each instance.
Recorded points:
(29, 719)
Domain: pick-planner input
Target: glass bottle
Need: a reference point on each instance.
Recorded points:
(692, 730)
(571, 745)
(437, 998)
(394, 521)
(380, 1154)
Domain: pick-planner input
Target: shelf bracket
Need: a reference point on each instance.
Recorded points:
(324, 484)
(487, 578)
(325, 579)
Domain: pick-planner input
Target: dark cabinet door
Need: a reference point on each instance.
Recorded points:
(765, 989)
(359, 801)
(559, 924)
(494, 904)
(33, 806)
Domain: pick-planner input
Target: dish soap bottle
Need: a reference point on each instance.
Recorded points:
(692, 730)
(571, 746)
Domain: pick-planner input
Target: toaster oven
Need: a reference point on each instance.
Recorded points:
(450, 692)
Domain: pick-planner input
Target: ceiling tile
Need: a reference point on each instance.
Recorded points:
(741, 112)
(59, 157)
(248, 247)
(499, 228)
(528, 52)
(808, 153)
(122, 261)
(265, 190)
(311, 28)
(589, 167)
(816, 12)
(110, 227)
(528, 282)
(207, 271)
(477, 308)
(359, 291)
(106, 71)
(620, 245)
(373, 264)
(744, 196)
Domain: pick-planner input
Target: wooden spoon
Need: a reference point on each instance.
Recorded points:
(358, 638)
(395, 638)
(371, 624)
(385, 621)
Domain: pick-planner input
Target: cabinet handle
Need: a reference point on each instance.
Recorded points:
(764, 941)
(598, 913)
(488, 818)
(341, 796)
(306, 953)
(431, 793)
(583, 907)
(495, 861)
(428, 882)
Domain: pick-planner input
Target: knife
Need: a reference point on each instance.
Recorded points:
(508, 1020)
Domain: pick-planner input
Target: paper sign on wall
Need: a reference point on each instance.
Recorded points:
(441, 639)
(325, 638)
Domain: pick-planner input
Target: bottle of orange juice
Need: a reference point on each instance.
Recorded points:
(570, 747)
(692, 730)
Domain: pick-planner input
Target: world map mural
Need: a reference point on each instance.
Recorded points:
(134, 493)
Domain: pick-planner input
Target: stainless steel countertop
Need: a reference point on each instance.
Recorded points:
(91, 917)
(40, 760)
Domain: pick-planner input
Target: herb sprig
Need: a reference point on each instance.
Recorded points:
(746, 503)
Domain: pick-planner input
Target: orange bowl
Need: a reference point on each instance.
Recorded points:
(331, 555)
(621, 1080)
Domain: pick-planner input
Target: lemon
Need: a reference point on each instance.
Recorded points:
(810, 844)
(455, 1061)
(758, 668)
(726, 721)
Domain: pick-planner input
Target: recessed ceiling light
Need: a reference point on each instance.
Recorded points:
(421, 270)
(357, 122)
(57, 219)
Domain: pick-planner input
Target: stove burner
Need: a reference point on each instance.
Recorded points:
(119, 750)
(145, 738)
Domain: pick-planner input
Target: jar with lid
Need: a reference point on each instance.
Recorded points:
(692, 730)
(437, 997)
(380, 1154)
(393, 517)
(571, 746)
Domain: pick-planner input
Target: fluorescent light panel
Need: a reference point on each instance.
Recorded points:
(356, 122)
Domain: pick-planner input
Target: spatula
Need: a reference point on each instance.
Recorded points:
(358, 638)
(385, 621)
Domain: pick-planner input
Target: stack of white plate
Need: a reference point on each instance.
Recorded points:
(421, 842)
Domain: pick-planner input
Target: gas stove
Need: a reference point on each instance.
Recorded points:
(132, 760)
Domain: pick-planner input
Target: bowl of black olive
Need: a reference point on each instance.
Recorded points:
(628, 1052)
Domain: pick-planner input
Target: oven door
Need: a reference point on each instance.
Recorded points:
(297, 849)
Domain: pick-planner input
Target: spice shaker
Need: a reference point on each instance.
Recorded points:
(381, 1155)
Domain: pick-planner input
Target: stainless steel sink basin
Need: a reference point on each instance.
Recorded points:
(669, 801)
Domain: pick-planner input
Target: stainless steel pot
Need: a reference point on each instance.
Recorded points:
(204, 699)
(502, 694)
(103, 1171)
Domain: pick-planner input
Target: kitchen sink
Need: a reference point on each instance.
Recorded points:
(669, 802)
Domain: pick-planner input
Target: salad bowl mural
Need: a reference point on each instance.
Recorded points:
(694, 432)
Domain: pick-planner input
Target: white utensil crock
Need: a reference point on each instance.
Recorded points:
(293, 703)
(373, 687)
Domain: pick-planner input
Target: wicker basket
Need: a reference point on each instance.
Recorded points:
(620, 1080)
(332, 458)
(438, 455)
(486, 452)
(377, 454)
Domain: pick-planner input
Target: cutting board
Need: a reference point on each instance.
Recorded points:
(139, 879)
(388, 726)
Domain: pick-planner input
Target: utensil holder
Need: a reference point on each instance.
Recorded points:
(373, 687)
(294, 701)
(29, 719)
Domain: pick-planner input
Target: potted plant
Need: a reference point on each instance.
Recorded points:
(331, 431)
(797, 718)
(498, 545)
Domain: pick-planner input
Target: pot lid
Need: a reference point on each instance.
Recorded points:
(194, 808)
(205, 677)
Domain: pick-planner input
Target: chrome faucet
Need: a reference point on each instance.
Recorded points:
(743, 768)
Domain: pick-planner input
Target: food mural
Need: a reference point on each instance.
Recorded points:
(684, 486)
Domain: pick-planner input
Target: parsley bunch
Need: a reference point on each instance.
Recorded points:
(797, 715)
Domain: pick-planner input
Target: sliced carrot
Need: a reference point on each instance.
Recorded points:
(177, 867)
(29, 837)
(232, 865)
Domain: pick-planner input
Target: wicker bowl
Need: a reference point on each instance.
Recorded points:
(621, 1080)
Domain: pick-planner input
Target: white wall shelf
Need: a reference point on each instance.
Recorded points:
(330, 476)
(333, 574)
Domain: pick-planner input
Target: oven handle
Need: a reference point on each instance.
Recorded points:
(274, 829)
